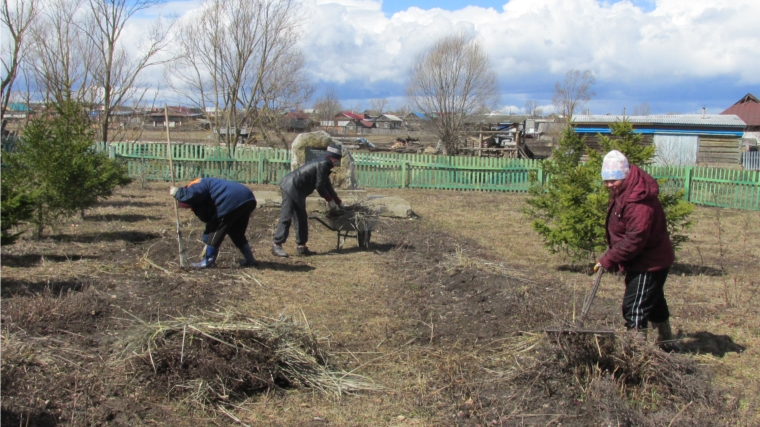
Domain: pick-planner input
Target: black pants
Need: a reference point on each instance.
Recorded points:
(290, 210)
(644, 298)
(233, 224)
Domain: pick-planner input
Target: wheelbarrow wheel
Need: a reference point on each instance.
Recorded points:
(364, 237)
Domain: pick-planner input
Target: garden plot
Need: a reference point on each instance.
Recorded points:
(438, 323)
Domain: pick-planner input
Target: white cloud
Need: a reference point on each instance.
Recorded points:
(531, 41)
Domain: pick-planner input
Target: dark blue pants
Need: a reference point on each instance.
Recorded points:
(644, 298)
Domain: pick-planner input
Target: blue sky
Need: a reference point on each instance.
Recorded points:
(676, 55)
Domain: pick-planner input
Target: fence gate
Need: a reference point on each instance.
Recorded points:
(676, 150)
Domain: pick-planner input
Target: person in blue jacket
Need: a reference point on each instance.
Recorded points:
(225, 207)
(298, 185)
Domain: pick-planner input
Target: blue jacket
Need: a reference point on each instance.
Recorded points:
(212, 198)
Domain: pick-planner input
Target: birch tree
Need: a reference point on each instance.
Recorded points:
(17, 17)
(450, 81)
(64, 61)
(240, 57)
(572, 93)
(118, 71)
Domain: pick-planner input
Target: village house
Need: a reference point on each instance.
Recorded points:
(388, 121)
(416, 120)
(748, 109)
(680, 140)
(296, 121)
(178, 116)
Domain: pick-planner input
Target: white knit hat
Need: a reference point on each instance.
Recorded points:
(615, 166)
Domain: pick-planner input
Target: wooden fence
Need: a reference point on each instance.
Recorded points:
(729, 188)
(751, 160)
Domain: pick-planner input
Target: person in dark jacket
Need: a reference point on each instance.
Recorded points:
(638, 244)
(298, 185)
(225, 207)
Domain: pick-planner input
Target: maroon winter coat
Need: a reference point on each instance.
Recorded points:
(637, 235)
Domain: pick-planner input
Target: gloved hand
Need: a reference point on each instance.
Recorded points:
(333, 205)
(173, 191)
(597, 266)
(341, 206)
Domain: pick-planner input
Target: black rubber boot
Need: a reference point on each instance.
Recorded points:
(249, 260)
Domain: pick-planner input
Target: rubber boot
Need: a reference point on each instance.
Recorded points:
(664, 333)
(249, 260)
(209, 260)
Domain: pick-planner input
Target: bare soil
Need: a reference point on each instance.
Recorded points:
(444, 313)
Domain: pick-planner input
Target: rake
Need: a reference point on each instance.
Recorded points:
(578, 328)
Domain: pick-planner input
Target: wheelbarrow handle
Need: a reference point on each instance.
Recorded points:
(590, 298)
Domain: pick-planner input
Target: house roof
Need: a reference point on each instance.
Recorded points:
(176, 111)
(390, 117)
(721, 120)
(296, 115)
(748, 108)
(419, 115)
(351, 115)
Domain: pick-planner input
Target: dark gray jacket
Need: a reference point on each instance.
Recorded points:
(314, 175)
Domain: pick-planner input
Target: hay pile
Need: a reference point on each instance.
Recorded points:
(228, 357)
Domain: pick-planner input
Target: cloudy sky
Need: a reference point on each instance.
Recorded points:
(676, 55)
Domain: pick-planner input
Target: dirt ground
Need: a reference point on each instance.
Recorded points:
(443, 314)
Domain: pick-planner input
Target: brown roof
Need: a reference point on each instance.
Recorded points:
(748, 109)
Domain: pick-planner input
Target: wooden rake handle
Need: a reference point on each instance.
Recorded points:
(590, 298)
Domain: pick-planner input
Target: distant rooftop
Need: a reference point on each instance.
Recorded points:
(666, 119)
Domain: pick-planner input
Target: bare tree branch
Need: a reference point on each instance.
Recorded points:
(450, 81)
(241, 58)
(571, 94)
(17, 17)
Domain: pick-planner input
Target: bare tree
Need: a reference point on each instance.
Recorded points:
(328, 105)
(378, 104)
(240, 57)
(64, 60)
(642, 109)
(118, 72)
(16, 18)
(573, 92)
(531, 107)
(450, 81)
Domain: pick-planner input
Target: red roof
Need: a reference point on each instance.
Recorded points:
(748, 109)
(351, 115)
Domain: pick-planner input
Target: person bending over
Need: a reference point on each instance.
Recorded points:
(225, 207)
(296, 186)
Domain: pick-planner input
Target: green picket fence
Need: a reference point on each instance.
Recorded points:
(731, 188)
(392, 170)
(739, 189)
(149, 161)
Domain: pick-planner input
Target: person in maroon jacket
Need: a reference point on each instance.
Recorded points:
(638, 244)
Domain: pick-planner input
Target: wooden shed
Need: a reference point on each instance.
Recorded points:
(681, 140)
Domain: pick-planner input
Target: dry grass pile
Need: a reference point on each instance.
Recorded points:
(620, 380)
(228, 357)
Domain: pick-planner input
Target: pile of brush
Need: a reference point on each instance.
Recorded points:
(228, 357)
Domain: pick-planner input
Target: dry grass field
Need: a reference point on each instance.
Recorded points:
(439, 323)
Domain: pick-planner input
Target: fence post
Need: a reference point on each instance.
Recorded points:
(260, 175)
(111, 151)
(403, 174)
(687, 183)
